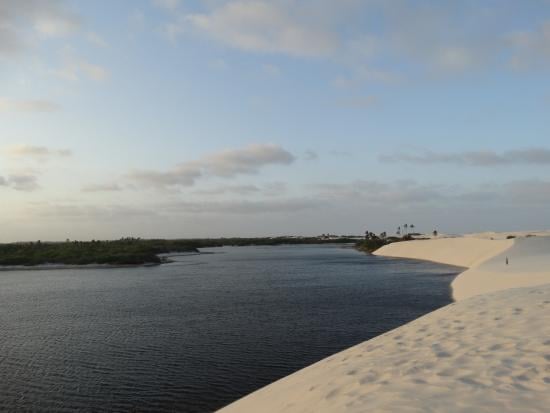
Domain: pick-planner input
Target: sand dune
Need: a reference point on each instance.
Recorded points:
(488, 352)
(485, 258)
(528, 265)
(462, 252)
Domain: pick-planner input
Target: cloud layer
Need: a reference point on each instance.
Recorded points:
(366, 36)
(20, 182)
(225, 164)
(36, 152)
(12, 105)
(534, 156)
(265, 26)
(46, 18)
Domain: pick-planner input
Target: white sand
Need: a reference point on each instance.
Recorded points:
(486, 353)
(462, 252)
(489, 353)
(528, 265)
(529, 260)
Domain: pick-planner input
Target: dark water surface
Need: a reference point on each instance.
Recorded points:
(197, 334)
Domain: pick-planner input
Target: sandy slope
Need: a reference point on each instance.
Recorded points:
(528, 265)
(463, 252)
(529, 260)
(489, 353)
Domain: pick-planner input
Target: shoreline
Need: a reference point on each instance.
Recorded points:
(50, 267)
(489, 351)
(163, 257)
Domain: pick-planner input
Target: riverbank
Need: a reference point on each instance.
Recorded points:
(130, 251)
(488, 352)
(57, 267)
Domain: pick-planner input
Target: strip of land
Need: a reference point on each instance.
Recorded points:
(127, 251)
(487, 352)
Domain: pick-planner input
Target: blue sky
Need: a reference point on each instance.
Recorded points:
(166, 118)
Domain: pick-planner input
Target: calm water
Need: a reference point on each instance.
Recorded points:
(197, 334)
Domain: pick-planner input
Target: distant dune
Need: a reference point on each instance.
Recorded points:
(485, 258)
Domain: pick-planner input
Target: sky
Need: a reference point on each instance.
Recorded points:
(188, 118)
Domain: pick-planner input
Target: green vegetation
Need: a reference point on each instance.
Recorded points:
(371, 245)
(128, 251)
(122, 252)
(374, 242)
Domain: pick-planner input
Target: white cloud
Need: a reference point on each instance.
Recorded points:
(102, 188)
(56, 25)
(531, 47)
(375, 193)
(93, 71)
(274, 189)
(20, 182)
(533, 156)
(37, 105)
(286, 206)
(310, 155)
(96, 39)
(22, 22)
(249, 160)
(226, 164)
(179, 176)
(426, 38)
(169, 5)
(36, 152)
(47, 18)
(455, 58)
(230, 189)
(89, 213)
(269, 189)
(74, 68)
(262, 26)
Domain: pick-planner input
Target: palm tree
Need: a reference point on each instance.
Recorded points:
(406, 226)
(398, 231)
(411, 227)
